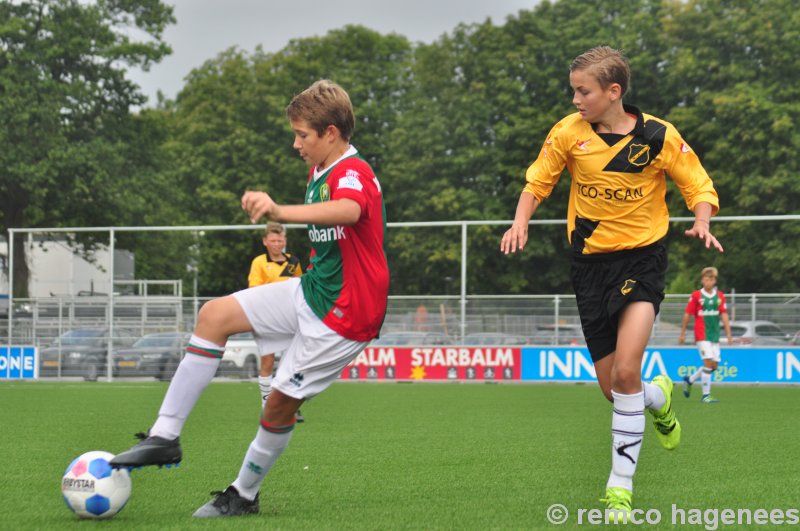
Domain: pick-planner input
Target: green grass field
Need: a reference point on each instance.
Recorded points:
(400, 456)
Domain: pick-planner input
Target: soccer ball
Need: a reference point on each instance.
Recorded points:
(92, 489)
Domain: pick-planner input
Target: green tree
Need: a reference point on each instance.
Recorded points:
(734, 71)
(65, 110)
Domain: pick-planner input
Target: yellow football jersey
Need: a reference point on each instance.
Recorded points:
(617, 194)
(263, 270)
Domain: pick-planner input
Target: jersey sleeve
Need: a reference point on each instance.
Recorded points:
(684, 167)
(546, 170)
(691, 306)
(352, 182)
(257, 274)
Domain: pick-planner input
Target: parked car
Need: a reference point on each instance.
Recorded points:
(492, 338)
(152, 355)
(82, 352)
(241, 356)
(402, 339)
(757, 333)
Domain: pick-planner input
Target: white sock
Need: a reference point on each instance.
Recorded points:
(697, 374)
(627, 433)
(706, 381)
(192, 377)
(265, 449)
(265, 386)
(653, 396)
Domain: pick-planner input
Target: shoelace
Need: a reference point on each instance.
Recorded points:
(614, 500)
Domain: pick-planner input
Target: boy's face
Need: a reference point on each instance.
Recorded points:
(313, 148)
(709, 281)
(591, 100)
(274, 244)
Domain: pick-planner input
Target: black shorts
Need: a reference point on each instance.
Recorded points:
(605, 283)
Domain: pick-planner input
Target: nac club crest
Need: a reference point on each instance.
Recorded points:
(627, 287)
(639, 154)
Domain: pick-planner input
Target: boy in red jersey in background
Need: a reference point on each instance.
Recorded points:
(322, 320)
(707, 306)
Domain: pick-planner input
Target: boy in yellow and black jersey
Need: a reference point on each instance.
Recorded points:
(618, 158)
(616, 199)
(273, 266)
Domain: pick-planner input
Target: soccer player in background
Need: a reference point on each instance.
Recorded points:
(275, 265)
(617, 157)
(323, 319)
(707, 306)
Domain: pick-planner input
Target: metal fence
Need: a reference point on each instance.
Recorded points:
(142, 307)
(534, 317)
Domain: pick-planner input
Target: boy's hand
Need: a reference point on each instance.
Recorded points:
(514, 238)
(702, 230)
(258, 205)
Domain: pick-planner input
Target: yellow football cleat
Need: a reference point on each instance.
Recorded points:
(618, 505)
(668, 429)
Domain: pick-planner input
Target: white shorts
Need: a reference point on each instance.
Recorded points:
(314, 355)
(708, 350)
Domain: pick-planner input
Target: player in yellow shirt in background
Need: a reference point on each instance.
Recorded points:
(275, 265)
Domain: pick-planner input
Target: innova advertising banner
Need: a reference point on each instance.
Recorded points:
(737, 364)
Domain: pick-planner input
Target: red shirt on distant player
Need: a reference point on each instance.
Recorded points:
(706, 309)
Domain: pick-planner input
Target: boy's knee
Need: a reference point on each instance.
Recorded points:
(626, 375)
(626, 379)
(207, 312)
(214, 312)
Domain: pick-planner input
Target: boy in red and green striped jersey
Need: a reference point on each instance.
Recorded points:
(707, 306)
(322, 320)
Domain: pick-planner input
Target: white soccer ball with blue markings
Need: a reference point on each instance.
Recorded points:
(92, 489)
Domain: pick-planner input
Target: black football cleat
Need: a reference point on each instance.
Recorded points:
(150, 451)
(227, 503)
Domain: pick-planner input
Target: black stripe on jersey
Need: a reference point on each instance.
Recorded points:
(642, 149)
(291, 266)
(582, 231)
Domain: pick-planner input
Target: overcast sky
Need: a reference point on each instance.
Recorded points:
(206, 27)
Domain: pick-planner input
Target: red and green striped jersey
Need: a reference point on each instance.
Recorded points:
(347, 283)
(706, 307)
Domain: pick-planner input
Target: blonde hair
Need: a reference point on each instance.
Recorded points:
(274, 228)
(606, 65)
(322, 104)
(709, 272)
